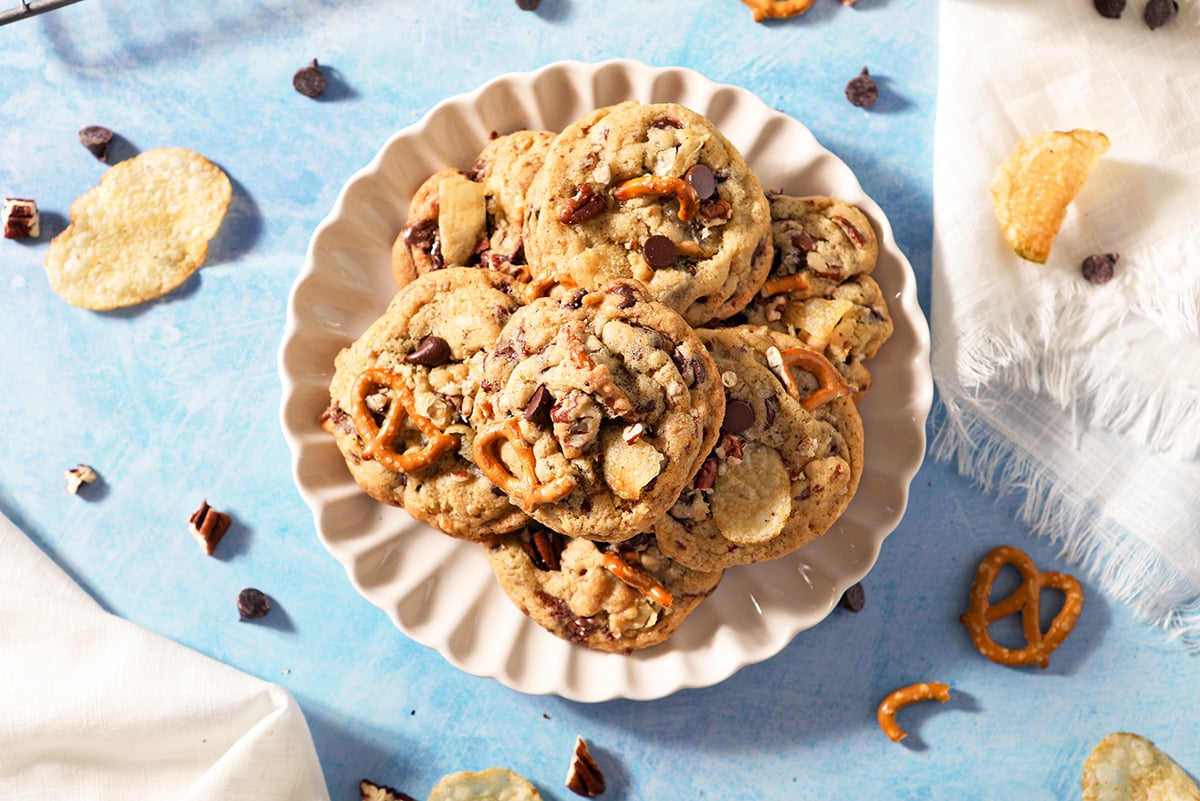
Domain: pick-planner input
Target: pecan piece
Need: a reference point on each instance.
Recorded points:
(583, 206)
(584, 777)
(208, 526)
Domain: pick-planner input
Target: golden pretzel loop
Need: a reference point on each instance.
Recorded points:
(924, 691)
(524, 488)
(377, 440)
(1026, 599)
(657, 185)
(831, 385)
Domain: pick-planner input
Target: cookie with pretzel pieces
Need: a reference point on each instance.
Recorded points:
(619, 597)
(820, 287)
(595, 409)
(473, 218)
(788, 461)
(402, 393)
(653, 192)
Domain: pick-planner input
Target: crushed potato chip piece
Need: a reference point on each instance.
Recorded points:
(1032, 188)
(462, 218)
(630, 466)
(817, 317)
(493, 784)
(1128, 767)
(141, 232)
(752, 499)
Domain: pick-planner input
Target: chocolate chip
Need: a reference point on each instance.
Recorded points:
(702, 179)
(432, 352)
(738, 417)
(854, 598)
(421, 234)
(1110, 8)
(770, 408)
(659, 251)
(309, 81)
(627, 295)
(583, 206)
(537, 411)
(528, 5)
(96, 138)
(253, 604)
(1098, 268)
(862, 90)
(1159, 12)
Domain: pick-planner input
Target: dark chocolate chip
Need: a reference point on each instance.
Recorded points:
(253, 604)
(432, 352)
(1159, 12)
(1098, 268)
(537, 411)
(96, 138)
(309, 81)
(421, 234)
(627, 295)
(702, 179)
(659, 251)
(1110, 8)
(738, 417)
(862, 90)
(528, 5)
(854, 598)
(770, 408)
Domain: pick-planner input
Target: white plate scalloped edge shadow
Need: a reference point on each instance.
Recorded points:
(439, 591)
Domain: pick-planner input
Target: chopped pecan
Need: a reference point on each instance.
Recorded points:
(583, 206)
(208, 526)
(584, 777)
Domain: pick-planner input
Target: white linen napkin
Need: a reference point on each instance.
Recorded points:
(93, 707)
(1082, 400)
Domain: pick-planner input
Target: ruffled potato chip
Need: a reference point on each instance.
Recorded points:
(141, 232)
(493, 784)
(1128, 767)
(1032, 188)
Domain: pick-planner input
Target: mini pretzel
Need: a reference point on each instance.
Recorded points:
(925, 691)
(831, 385)
(778, 9)
(637, 579)
(1026, 599)
(650, 185)
(378, 440)
(796, 282)
(525, 488)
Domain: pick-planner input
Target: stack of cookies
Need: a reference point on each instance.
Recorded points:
(619, 365)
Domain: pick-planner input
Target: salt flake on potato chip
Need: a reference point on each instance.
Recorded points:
(1032, 188)
(1128, 767)
(141, 232)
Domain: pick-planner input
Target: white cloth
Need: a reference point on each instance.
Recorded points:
(1081, 400)
(93, 707)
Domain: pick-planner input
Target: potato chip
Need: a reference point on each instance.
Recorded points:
(493, 784)
(141, 232)
(752, 498)
(1128, 767)
(1034, 185)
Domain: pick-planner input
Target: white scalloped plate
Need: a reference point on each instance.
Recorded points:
(440, 591)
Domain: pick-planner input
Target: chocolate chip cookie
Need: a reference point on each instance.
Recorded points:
(595, 409)
(788, 460)
(402, 393)
(619, 597)
(819, 288)
(653, 192)
(473, 217)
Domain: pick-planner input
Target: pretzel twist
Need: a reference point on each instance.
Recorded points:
(1026, 599)
(830, 383)
(660, 185)
(924, 691)
(637, 579)
(378, 440)
(524, 488)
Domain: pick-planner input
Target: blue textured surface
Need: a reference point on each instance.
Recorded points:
(177, 400)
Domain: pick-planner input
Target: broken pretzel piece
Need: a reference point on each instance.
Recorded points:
(924, 691)
(525, 489)
(658, 185)
(778, 9)
(830, 384)
(637, 579)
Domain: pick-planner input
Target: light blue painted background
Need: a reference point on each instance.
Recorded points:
(177, 400)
